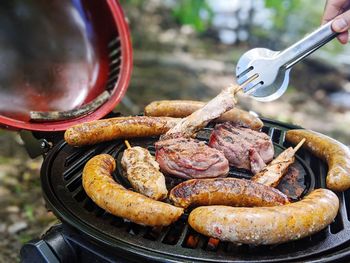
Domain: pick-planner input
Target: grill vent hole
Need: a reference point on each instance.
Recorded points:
(89, 205)
(192, 239)
(153, 233)
(81, 195)
(75, 184)
(320, 236)
(99, 211)
(174, 234)
(347, 203)
(117, 222)
(276, 136)
(337, 225)
(211, 244)
(265, 129)
(134, 229)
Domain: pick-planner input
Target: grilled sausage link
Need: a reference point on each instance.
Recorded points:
(267, 225)
(115, 128)
(336, 154)
(115, 199)
(225, 191)
(183, 108)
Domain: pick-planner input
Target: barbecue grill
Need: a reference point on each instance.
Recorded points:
(89, 234)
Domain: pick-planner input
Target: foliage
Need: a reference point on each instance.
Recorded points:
(291, 20)
(282, 9)
(196, 13)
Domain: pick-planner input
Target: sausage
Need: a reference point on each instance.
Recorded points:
(115, 199)
(142, 171)
(267, 225)
(183, 108)
(225, 191)
(336, 154)
(114, 128)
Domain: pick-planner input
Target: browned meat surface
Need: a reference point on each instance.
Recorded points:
(189, 158)
(93, 132)
(243, 147)
(188, 126)
(293, 183)
(273, 173)
(225, 191)
(267, 225)
(336, 154)
(100, 186)
(142, 171)
(183, 108)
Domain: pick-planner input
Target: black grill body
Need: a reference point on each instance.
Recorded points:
(89, 228)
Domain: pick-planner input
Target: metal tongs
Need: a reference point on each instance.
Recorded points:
(265, 73)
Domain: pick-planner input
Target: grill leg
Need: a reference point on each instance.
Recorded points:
(52, 248)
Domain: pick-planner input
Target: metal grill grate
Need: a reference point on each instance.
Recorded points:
(61, 180)
(115, 62)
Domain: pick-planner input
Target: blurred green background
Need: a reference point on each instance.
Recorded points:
(187, 49)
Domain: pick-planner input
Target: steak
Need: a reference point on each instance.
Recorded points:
(190, 158)
(243, 147)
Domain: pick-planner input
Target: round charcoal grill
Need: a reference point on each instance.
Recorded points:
(62, 186)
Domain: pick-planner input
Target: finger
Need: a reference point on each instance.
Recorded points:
(343, 37)
(332, 9)
(342, 22)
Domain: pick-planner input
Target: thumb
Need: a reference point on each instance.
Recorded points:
(342, 22)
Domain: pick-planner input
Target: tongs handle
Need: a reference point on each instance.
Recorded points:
(304, 47)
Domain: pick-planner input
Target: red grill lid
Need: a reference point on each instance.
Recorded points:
(62, 62)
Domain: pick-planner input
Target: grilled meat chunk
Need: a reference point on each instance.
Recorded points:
(142, 171)
(183, 108)
(243, 147)
(188, 126)
(189, 158)
(273, 173)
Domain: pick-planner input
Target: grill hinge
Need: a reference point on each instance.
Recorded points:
(34, 147)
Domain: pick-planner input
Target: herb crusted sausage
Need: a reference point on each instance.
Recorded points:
(267, 225)
(115, 199)
(336, 154)
(115, 128)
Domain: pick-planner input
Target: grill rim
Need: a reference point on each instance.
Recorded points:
(66, 216)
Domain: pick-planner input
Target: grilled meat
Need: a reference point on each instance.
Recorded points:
(189, 158)
(243, 147)
(100, 186)
(183, 108)
(336, 154)
(188, 126)
(93, 132)
(273, 173)
(267, 225)
(142, 171)
(293, 183)
(225, 191)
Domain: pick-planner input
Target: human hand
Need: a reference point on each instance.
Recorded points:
(335, 9)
